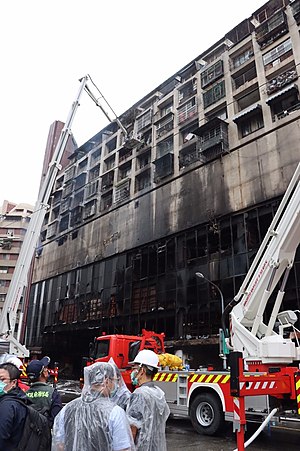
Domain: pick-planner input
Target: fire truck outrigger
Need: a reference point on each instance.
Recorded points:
(261, 380)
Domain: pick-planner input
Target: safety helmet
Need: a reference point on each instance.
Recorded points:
(147, 357)
(11, 358)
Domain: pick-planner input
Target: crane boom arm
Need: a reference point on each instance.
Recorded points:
(19, 280)
(270, 268)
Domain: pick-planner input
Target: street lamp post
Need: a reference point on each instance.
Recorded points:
(201, 276)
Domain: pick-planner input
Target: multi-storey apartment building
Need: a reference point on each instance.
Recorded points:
(130, 224)
(14, 219)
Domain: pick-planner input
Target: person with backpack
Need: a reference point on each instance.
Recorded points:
(45, 398)
(22, 428)
(12, 412)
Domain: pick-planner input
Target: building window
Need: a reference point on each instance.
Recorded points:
(143, 160)
(64, 223)
(251, 124)
(278, 54)
(187, 111)
(282, 105)
(246, 100)
(271, 29)
(124, 154)
(188, 90)
(212, 74)
(164, 147)
(242, 58)
(166, 109)
(125, 171)
(80, 181)
(144, 120)
(107, 180)
(241, 79)
(122, 191)
(51, 230)
(112, 144)
(189, 155)
(163, 167)
(143, 181)
(90, 209)
(78, 199)
(95, 156)
(165, 126)
(216, 93)
(106, 201)
(3, 270)
(69, 174)
(5, 256)
(94, 173)
(109, 163)
(92, 189)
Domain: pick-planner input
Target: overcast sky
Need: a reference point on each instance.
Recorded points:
(128, 48)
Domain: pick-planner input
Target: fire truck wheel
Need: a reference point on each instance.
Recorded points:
(206, 414)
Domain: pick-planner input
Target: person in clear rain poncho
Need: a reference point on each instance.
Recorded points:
(122, 394)
(147, 410)
(93, 422)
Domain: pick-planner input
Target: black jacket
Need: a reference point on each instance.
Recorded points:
(12, 419)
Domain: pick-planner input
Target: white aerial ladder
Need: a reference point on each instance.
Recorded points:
(250, 331)
(19, 280)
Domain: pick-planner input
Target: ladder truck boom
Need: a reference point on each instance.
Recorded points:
(19, 280)
(252, 333)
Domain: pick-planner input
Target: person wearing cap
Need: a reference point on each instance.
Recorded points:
(147, 410)
(45, 398)
(93, 421)
(12, 412)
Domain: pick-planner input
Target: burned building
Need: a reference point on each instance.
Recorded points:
(131, 223)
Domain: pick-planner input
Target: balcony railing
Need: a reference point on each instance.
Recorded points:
(272, 29)
(164, 127)
(187, 113)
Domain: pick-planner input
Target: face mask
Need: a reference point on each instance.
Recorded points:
(133, 377)
(2, 385)
(114, 390)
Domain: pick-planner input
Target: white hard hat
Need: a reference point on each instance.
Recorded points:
(10, 358)
(147, 357)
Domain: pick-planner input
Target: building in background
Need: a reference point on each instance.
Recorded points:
(129, 225)
(14, 219)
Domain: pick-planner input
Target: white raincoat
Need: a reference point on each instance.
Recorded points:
(148, 412)
(122, 395)
(93, 422)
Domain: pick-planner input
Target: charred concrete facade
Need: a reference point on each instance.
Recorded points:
(131, 223)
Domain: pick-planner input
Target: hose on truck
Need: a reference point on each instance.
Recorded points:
(261, 427)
